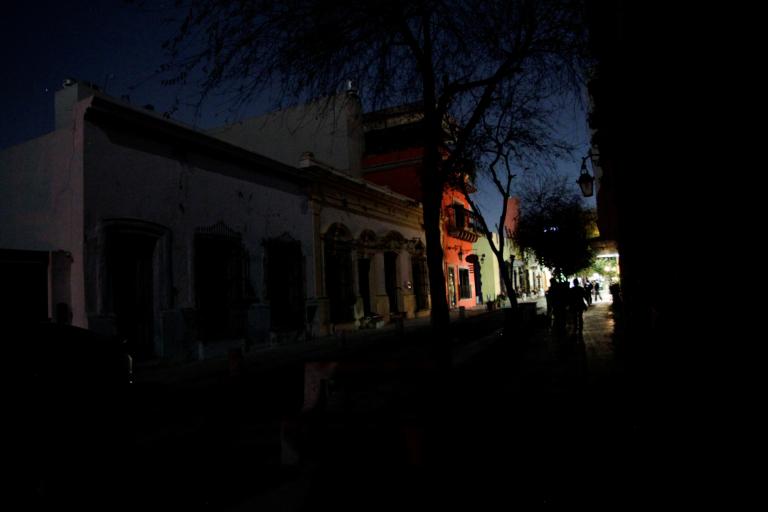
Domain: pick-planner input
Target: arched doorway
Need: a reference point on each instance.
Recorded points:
(134, 277)
(366, 248)
(339, 279)
(392, 244)
(285, 283)
(420, 278)
(221, 282)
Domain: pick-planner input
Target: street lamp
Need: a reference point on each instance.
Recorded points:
(586, 181)
(457, 248)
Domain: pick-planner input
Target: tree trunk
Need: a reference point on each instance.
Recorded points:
(510, 291)
(433, 198)
(506, 278)
(432, 184)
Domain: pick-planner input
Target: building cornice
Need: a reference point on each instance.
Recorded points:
(116, 114)
(327, 187)
(334, 189)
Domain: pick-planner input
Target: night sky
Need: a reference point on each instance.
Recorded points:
(107, 42)
(116, 46)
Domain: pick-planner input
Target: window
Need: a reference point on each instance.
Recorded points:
(220, 285)
(420, 282)
(465, 292)
(390, 279)
(284, 277)
(459, 215)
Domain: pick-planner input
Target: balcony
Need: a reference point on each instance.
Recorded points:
(462, 224)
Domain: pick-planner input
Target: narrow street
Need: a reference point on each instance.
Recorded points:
(219, 436)
(543, 425)
(532, 422)
(546, 424)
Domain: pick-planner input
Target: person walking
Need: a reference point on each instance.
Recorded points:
(596, 287)
(577, 304)
(588, 287)
(548, 297)
(557, 299)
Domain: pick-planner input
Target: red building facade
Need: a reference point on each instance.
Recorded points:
(461, 267)
(394, 158)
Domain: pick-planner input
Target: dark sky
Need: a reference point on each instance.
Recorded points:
(117, 46)
(108, 42)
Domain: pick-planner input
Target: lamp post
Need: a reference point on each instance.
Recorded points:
(586, 181)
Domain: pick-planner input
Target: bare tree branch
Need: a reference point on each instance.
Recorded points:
(484, 69)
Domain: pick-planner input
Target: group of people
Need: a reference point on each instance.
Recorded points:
(592, 288)
(566, 304)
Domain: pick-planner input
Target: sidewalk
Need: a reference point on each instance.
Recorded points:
(265, 357)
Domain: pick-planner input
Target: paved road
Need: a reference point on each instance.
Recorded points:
(534, 422)
(547, 424)
(213, 440)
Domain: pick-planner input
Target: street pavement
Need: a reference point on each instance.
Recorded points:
(534, 421)
(548, 422)
(205, 437)
(520, 418)
(265, 357)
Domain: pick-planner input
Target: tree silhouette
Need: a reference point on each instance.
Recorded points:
(521, 138)
(554, 225)
(466, 62)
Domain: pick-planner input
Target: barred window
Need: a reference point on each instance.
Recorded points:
(221, 273)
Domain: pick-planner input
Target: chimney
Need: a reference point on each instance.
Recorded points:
(65, 98)
(355, 134)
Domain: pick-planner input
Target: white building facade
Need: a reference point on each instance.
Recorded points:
(188, 246)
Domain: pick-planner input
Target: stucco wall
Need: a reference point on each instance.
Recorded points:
(41, 202)
(451, 248)
(38, 186)
(128, 176)
(398, 170)
(382, 217)
(489, 268)
(331, 129)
